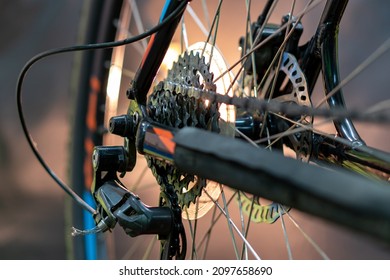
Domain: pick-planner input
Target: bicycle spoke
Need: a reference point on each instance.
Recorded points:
(385, 47)
(197, 20)
(307, 237)
(249, 34)
(279, 52)
(290, 131)
(251, 51)
(184, 37)
(307, 9)
(128, 73)
(311, 128)
(244, 248)
(229, 223)
(115, 70)
(301, 127)
(213, 221)
(286, 240)
(138, 20)
(244, 251)
(205, 31)
(381, 106)
(236, 229)
(194, 253)
(278, 58)
(213, 28)
(206, 13)
(137, 45)
(193, 234)
(245, 137)
(207, 236)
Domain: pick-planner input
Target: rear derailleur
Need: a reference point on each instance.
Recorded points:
(117, 205)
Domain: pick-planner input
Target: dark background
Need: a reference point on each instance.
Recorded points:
(31, 205)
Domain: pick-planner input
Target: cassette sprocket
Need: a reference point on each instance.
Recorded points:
(172, 104)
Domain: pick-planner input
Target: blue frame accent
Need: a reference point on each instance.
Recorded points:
(165, 9)
(91, 251)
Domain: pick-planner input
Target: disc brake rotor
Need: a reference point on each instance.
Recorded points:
(298, 93)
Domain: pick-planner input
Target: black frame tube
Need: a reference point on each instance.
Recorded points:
(322, 54)
(336, 195)
(155, 52)
(330, 68)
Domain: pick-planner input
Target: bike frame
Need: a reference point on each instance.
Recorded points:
(155, 52)
(253, 169)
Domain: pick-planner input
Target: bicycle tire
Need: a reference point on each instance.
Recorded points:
(88, 83)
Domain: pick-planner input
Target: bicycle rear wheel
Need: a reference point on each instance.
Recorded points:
(144, 184)
(89, 79)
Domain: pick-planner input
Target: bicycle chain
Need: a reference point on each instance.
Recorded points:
(252, 104)
(171, 248)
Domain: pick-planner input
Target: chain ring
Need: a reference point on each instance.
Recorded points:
(171, 105)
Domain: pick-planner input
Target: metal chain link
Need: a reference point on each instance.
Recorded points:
(253, 104)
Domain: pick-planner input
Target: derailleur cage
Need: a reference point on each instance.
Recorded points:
(117, 205)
